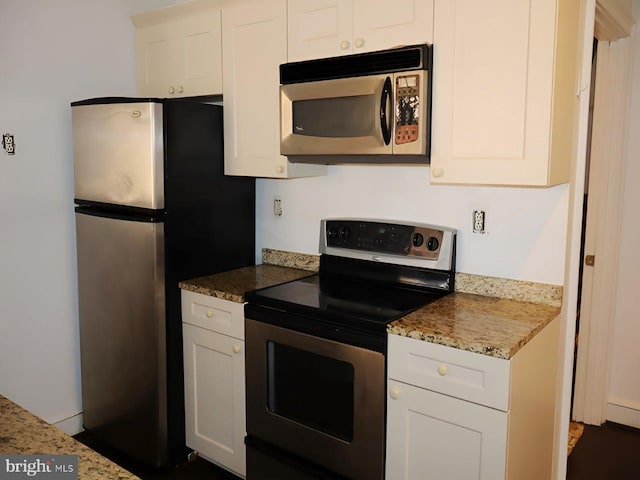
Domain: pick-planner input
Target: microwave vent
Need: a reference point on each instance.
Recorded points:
(417, 57)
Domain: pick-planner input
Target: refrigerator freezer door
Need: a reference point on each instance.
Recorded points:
(118, 153)
(122, 334)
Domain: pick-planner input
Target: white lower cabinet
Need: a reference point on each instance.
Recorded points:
(459, 415)
(214, 380)
(434, 436)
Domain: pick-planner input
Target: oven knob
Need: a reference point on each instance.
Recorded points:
(345, 232)
(332, 233)
(418, 239)
(433, 244)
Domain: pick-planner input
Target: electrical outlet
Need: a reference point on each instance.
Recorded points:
(277, 207)
(8, 144)
(478, 221)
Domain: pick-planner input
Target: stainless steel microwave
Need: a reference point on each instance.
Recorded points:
(347, 109)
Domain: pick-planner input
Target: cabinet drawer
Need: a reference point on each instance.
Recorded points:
(215, 314)
(470, 376)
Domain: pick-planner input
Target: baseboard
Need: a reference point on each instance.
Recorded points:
(71, 425)
(624, 414)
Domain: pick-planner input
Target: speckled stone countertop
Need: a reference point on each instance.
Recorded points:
(234, 284)
(486, 315)
(23, 433)
(492, 326)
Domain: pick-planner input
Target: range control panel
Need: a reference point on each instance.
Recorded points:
(422, 241)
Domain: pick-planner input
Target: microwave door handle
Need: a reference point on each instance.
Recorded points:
(385, 124)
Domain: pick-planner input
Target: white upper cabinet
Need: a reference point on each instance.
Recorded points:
(504, 91)
(179, 50)
(254, 46)
(329, 28)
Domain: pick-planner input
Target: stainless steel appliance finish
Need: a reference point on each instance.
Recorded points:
(357, 106)
(153, 207)
(122, 309)
(315, 348)
(106, 138)
(295, 433)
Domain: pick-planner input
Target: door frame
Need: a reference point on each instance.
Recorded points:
(594, 15)
(603, 230)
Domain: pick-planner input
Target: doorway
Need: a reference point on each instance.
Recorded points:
(602, 227)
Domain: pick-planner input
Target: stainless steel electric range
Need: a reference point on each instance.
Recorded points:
(315, 348)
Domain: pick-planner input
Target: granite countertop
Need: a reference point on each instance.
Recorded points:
(234, 284)
(495, 317)
(23, 433)
(492, 326)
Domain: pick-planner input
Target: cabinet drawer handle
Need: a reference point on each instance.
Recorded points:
(394, 393)
(209, 314)
(442, 369)
(236, 349)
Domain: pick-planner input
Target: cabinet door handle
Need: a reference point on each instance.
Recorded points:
(172, 90)
(236, 349)
(345, 44)
(180, 89)
(279, 169)
(359, 42)
(209, 314)
(442, 369)
(394, 393)
(437, 172)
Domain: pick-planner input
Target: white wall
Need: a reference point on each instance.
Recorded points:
(526, 227)
(53, 52)
(624, 387)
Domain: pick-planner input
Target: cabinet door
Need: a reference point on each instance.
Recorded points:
(255, 44)
(181, 57)
(329, 28)
(494, 90)
(215, 396)
(432, 436)
(382, 24)
(199, 54)
(319, 28)
(155, 51)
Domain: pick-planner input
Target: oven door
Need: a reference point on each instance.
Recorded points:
(318, 399)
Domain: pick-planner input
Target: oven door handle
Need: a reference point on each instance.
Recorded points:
(385, 118)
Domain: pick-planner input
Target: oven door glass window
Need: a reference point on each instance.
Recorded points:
(311, 389)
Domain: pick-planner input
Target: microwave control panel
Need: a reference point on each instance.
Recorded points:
(407, 108)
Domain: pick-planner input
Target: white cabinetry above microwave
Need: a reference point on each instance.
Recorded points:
(179, 50)
(329, 28)
(504, 84)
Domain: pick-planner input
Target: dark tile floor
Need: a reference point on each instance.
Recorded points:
(197, 469)
(608, 452)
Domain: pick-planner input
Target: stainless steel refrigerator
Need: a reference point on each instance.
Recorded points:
(153, 207)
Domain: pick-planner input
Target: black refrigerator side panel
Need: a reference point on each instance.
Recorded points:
(209, 226)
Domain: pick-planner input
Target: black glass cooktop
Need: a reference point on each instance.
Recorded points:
(342, 302)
